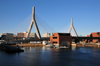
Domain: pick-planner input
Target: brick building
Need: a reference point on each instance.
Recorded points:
(14, 36)
(25, 34)
(94, 34)
(20, 34)
(61, 39)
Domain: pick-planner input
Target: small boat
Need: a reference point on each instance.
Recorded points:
(49, 45)
(61, 47)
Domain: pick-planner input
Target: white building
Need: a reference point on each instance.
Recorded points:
(33, 35)
(46, 35)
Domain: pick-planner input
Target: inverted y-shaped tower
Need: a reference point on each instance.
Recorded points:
(36, 27)
(72, 27)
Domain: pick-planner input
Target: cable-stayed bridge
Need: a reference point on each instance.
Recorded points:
(42, 27)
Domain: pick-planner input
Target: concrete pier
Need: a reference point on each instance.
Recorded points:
(86, 44)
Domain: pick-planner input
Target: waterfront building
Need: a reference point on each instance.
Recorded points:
(7, 36)
(94, 34)
(61, 39)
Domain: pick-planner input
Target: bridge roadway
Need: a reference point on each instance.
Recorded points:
(48, 38)
(20, 39)
(79, 38)
(84, 37)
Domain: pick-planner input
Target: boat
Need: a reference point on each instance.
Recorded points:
(62, 46)
(9, 48)
(49, 45)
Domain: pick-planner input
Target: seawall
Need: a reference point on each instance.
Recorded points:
(86, 44)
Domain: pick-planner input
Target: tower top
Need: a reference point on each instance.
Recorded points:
(72, 27)
(33, 13)
(71, 21)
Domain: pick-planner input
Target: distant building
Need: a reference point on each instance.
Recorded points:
(33, 35)
(25, 34)
(7, 36)
(14, 36)
(61, 39)
(94, 34)
(20, 34)
(46, 35)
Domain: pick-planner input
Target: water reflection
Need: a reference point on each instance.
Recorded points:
(42, 56)
(86, 50)
(73, 47)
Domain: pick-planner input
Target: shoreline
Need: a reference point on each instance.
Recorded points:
(73, 44)
(86, 44)
(29, 45)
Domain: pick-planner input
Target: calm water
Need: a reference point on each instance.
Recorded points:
(40, 56)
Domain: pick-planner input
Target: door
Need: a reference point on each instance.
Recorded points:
(64, 43)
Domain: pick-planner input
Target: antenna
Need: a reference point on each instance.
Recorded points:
(72, 27)
(31, 25)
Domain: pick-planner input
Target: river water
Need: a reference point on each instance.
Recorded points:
(41, 56)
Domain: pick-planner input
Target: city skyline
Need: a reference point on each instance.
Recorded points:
(55, 13)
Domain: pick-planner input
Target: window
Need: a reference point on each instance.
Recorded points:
(54, 37)
(98, 33)
(90, 35)
(55, 42)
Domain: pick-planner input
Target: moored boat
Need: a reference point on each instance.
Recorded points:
(49, 45)
(9, 48)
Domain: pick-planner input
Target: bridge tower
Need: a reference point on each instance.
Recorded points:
(72, 27)
(35, 24)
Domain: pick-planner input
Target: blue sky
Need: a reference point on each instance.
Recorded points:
(55, 13)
